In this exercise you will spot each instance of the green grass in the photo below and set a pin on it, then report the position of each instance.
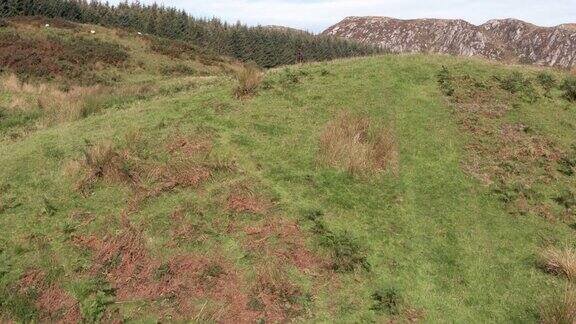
(435, 238)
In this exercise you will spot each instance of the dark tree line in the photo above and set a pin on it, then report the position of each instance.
(265, 46)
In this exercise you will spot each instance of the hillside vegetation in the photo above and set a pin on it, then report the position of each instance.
(68, 71)
(405, 188)
(267, 47)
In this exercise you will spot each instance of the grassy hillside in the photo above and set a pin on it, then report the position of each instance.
(55, 70)
(363, 190)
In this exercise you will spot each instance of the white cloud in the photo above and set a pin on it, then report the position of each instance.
(316, 15)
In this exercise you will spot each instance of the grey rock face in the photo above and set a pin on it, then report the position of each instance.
(508, 39)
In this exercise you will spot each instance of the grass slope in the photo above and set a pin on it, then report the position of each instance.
(440, 245)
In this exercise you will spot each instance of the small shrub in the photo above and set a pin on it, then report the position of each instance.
(547, 81)
(560, 311)
(516, 83)
(569, 88)
(445, 82)
(350, 143)
(3, 23)
(249, 79)
(347, 253)
(567, 164)
(567, 199)
(559, 262)
(387, 301)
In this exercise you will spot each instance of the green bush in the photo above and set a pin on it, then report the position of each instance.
(516, 83)
(547, 81)
(569, 88)
(445, 81)
(567, 164)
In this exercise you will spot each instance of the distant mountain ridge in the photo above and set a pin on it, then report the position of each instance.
(500, 39)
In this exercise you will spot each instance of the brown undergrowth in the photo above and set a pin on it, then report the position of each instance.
(284, 240)
(510, 157)
(195, 286)
(50, 57)
(53, 302)
(353, 144)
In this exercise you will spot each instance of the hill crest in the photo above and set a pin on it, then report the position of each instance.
(510, 40)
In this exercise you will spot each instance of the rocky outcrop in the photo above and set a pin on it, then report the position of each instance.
(508, 39)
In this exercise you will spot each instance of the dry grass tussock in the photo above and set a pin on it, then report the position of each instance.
(55, 104)
(351, 143)
(249, 79)
(102, 161)
(560, 262)
(560, 311)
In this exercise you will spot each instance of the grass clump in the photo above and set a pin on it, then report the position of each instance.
(569, 88)
(346, 252)
(249, 79)
(352, 144)
(560, 262)
(102, 161)
(560, 311)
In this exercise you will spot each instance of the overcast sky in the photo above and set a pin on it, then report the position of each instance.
(317, 15)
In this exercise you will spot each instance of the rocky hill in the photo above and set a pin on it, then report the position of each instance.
(508, 39)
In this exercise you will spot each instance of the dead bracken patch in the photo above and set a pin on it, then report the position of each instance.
(274, 295)
(182, 280)
(511, 158)
(283, 240)
(247, 203)
(350, 143)
(52, 57)
(188, 146)
(53, 302)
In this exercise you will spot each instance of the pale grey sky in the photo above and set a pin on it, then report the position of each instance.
(316, 15)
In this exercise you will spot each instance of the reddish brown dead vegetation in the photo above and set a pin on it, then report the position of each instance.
(53, 302)
(284, 240)
(351, 143)
(247, 203)
(188, 146)
(274, 294)
(52, 57)
(126, 263)
(511, 158)
(104, 162)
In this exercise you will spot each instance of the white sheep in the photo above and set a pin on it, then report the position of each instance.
(47, 25)
(92, 32)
